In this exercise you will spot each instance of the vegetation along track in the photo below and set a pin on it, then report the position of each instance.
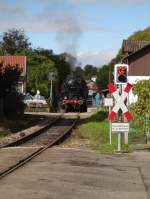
(43, 141)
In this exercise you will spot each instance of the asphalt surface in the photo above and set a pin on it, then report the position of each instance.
(78, 174)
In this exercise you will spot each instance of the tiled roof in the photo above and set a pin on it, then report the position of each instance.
(14, 60)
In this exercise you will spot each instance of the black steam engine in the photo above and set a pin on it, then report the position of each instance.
(74, 95)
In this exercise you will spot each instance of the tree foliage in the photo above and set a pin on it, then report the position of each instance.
(14, 41)
(102, 78)
(105, 73)
(13, 104)
(142, 106)
(62, 66)
(39, 67)
(9, 76)
(78, 71)
(89, 71)
(40, 63)
(141, 35)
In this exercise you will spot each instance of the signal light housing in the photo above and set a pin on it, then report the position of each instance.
(121, 74)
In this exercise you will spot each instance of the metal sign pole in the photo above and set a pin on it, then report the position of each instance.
(126, 136)
(108, 102)
(119, 142)
(120, 109)
(51, 91)
(110, 133)
(119, 118)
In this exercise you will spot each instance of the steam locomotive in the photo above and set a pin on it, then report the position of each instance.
(74, 95)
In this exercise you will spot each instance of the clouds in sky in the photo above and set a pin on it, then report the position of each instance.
(97, 58)
(112, 1)
(73, 23)
(51, 15)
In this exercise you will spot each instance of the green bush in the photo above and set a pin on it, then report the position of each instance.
(142, 90)
(13, 105)
(142, 107)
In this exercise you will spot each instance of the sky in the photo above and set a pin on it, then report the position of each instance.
(91, 30)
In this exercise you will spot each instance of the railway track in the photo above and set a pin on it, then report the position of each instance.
(42, 140)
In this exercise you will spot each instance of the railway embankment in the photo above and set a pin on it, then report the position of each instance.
(40, 124)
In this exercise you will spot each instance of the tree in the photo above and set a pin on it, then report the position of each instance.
(45, 52)
(8, 80)
(39, 67)
(142, 90)
(89, 71)
(14, 42)
(141, 108)
(63, 68)
(78, 71)
(102, 77)
(141, 35)
(8, 77)
(105, 73)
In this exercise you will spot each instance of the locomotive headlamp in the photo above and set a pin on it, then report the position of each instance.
(121, 74)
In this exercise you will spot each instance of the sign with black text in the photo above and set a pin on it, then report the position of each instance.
(120, 127)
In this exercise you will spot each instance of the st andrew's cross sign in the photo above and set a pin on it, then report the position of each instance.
(120, 101)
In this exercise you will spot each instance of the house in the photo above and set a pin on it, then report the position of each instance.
(92, 87)
(137, 56)
(131, 46)
(21, 62)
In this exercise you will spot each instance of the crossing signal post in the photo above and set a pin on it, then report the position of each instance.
(121, 74)
(120, 108)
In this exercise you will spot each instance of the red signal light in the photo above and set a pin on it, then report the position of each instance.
(121, 73)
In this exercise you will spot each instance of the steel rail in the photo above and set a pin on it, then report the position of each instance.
(30, 136)
(37, 152)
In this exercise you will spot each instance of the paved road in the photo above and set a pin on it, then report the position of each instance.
(76, 174)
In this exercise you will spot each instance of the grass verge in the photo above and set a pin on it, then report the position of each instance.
(137, 133)
(96, 130)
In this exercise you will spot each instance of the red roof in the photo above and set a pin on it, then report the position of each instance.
(14, 60)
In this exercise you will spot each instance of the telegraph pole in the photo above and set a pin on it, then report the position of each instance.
(51, 78)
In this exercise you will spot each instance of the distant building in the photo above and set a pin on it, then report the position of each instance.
(137, 56)
(92, 87)
(21, 62)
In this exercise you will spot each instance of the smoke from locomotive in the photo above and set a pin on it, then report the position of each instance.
(74, 95)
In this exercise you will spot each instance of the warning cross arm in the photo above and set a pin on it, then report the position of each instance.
(128, 88)
(119, 99)
(111, 88)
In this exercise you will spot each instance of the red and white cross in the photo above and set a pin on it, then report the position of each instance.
(120, 101)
